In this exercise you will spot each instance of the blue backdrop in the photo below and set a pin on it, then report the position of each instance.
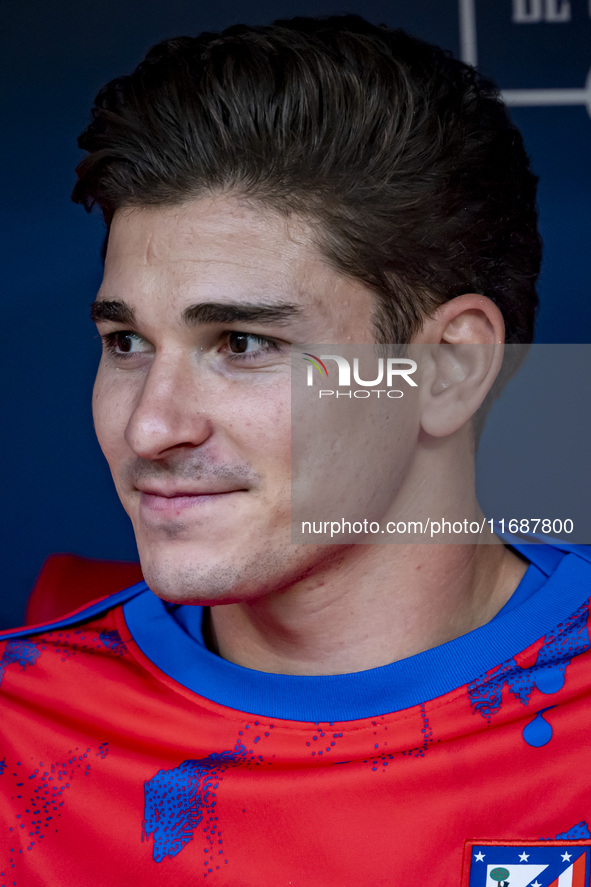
(58, 494)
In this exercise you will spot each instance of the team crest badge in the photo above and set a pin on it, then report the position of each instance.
(529, 864)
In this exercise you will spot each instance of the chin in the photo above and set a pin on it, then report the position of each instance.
(189, 583)
(202, 576)
(207, 581)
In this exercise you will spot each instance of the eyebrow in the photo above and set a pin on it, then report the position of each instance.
(244, 312)
(118, 311)
(115, 311)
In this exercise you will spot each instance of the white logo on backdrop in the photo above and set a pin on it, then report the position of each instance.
(525, 12)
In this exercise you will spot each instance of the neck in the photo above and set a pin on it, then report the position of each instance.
(370, 605)
(378, 605)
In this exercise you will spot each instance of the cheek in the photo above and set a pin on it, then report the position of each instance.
(111, 408)
(260, 423)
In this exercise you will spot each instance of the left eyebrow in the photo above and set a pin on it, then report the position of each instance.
(118, 311)
(243, 312)
(111, 310)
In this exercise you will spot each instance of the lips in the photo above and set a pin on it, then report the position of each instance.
(177, 493)
(173, 501)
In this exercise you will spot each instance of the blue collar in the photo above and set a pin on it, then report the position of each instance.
(565, 577)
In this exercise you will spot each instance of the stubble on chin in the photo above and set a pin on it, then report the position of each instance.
(208, 584)
(236, 581)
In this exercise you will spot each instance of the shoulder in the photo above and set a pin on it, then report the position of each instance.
(51, 664)
(89, 612)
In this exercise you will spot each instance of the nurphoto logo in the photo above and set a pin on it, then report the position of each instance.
(388, 371)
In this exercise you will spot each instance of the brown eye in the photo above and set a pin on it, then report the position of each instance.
(238, 342)
(244, 347)
(124, 342)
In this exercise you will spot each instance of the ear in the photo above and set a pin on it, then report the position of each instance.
(467, 334)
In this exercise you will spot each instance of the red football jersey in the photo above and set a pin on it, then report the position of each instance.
(133, 754)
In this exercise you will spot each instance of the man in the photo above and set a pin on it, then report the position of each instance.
(272, 713)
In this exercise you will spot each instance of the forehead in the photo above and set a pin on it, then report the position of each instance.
(205, 230)
(224, 249)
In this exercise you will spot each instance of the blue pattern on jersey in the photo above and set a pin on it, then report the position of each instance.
(538, 732)
(547, 675)
(112, 641)
(579, 832)
(175, 800)
(21, 652)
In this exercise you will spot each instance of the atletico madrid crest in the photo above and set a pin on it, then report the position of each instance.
(529, 864)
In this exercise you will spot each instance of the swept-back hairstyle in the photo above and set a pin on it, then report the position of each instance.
(403, 159)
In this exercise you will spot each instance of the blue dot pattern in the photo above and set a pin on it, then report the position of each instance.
(68, 644)
(176, 801)
(547, 674)
(112, 641)
(21, 651)
(40, 795)
(428, 740)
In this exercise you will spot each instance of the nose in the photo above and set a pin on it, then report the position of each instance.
(170, 412)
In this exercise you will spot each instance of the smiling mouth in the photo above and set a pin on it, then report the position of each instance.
(175, 503)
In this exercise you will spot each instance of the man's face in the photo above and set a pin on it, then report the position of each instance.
(198, 309)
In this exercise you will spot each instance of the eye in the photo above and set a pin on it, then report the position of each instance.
(249, 344)
(238, 342)
(125, 342)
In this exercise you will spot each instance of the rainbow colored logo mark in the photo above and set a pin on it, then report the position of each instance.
(315, 361)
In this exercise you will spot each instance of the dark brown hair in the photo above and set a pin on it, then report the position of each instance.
(403, 159)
